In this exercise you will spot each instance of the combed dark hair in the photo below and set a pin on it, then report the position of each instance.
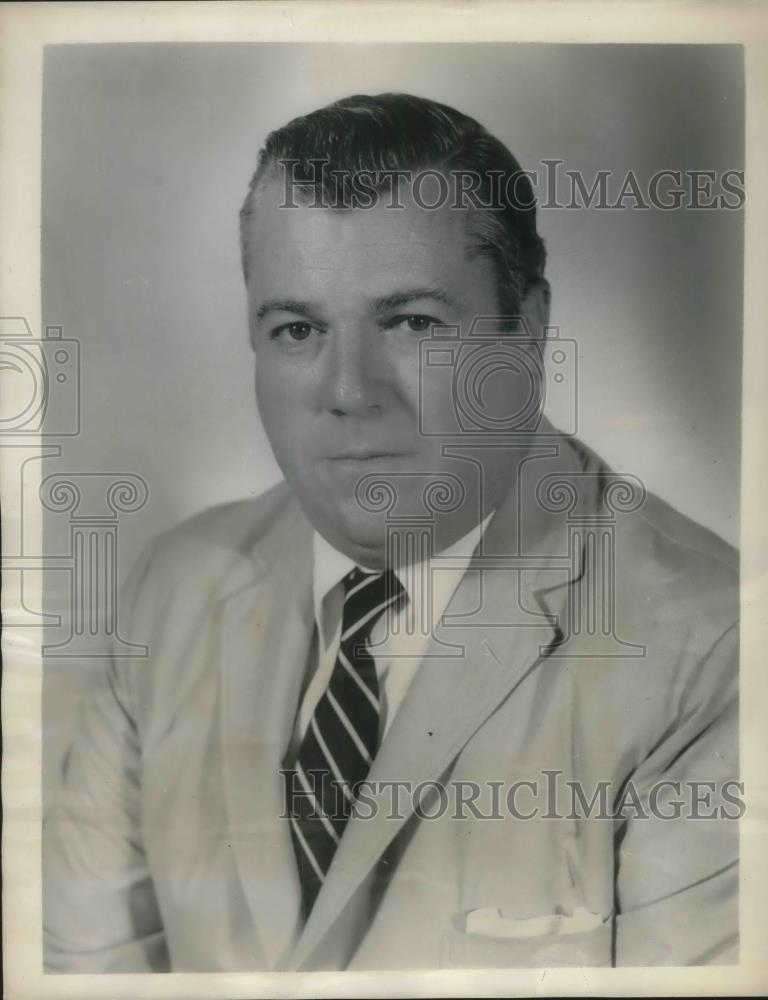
(391, 132)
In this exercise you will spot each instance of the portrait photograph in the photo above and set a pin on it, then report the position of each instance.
(379, 485)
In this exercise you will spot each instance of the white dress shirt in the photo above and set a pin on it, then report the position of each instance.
(397, 655)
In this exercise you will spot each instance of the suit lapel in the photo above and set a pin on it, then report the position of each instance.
(265, 634)
(515, 624)
(446, 704)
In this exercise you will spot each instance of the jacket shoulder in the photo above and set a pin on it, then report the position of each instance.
(669, 563)
(693, 573)
(687, 540)
(681, 571)
(214, 542)
(235, 526)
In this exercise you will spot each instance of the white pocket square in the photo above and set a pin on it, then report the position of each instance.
(491, 922)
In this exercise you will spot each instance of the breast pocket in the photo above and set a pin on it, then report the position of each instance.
(460, 950)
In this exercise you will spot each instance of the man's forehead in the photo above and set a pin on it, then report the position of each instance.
(380, 231)
(309, 273)
(354, 256)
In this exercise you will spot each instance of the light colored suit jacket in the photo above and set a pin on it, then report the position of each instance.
(593, 639)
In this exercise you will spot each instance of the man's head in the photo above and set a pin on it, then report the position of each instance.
(368, 223)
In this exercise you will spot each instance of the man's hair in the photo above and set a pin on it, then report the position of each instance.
(399, 132)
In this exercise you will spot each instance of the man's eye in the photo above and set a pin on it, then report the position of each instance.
(292, 331)
(416, 323)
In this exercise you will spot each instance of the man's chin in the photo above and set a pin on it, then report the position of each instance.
(361, 537)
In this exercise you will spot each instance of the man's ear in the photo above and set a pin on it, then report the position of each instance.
(535, 308)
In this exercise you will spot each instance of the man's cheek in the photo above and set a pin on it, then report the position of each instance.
(272, 394)
(409, 390)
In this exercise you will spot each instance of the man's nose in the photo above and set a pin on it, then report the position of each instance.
(352, 376)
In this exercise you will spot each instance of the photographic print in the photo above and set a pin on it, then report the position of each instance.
(379, 447)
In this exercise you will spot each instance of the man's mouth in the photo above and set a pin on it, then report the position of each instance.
(365, 455)
(363, 458)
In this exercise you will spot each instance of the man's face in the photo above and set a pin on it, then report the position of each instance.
(339, 302)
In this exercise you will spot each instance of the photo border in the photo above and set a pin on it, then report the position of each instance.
(26, 29)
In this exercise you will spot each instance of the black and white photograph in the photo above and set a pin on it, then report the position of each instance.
(378, 454)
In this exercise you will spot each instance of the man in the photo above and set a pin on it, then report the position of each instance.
(454, 694)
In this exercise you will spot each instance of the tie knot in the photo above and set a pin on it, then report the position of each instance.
(367, 595)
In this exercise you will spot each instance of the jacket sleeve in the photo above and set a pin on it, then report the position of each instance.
(100, 913)
(677, 877)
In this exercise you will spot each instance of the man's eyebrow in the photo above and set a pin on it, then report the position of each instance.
(398, 299)
(383, 304)
(283, 305)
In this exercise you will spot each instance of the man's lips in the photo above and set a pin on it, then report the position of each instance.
(366, 455)
(360, 460)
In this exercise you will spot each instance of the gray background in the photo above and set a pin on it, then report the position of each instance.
(147, 151)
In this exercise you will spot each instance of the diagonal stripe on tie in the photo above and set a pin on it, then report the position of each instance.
(365, 580)
(341, 740)
(365, 752)
(355, 676)
(371, 615)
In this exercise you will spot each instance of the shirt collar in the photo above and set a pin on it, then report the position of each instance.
(331, 566)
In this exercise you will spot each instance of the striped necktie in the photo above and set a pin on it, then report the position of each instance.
(342, 737)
